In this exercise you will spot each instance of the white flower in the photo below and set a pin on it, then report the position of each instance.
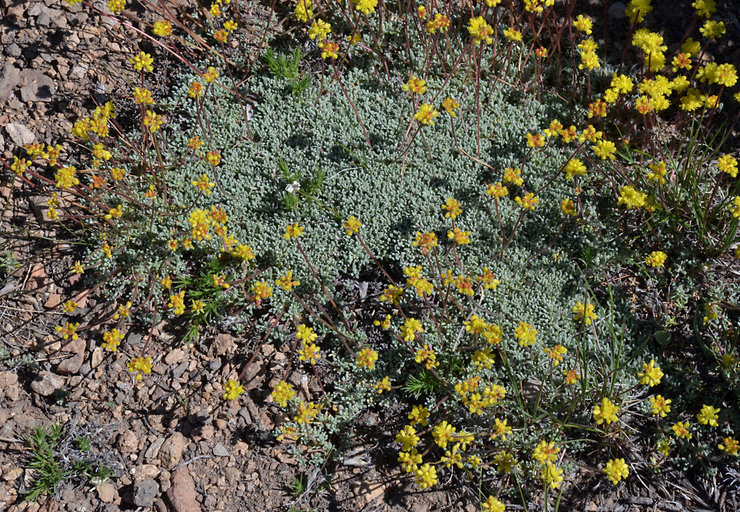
(293, 187)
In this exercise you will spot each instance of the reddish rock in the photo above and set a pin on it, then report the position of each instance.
(182, 495)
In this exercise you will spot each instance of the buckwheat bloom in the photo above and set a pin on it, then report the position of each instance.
(556, 354)
(443, 433)
(735, 211)
(426, 114)
(351, 226)
(204, 184)
(319, 30)
(366, 358)
(366, 7)
(427, 241)
(727, 164)
(143, 61)
(419, 415)
(143, 96)
(637, 9)
(116, 6)
(512, 34)
(568, 207)
(221, 35)
(415, 85)
(492, 505)
(497, 191)
(545, 451)
(65, 177)
(383, 385)
(303, 10)
(616, 470)
(480, 30)
(153, 121)
(708, 415)
(282, 393)
(450, 106)
(407, 438)
(261, 290)
(293, 231)
(552, 475)
(459, 236)
(425, 476)
(19, 166)
(605, 149)
(141, 366)
(660, 405)
(309, 352)
(329, 49)
(583, 24)
(232, 390)
(286, 281)
(571, 377)
(574, 167)
(681, 430)
(440, 22)
(162, 28)
(712, 29)
(112, 339)
(525, 334)
(231, 25)
(650, 374)
(177, 303)
(606, 412)
(77, 268)
(306, 334)
(631, 198)
(528, 202)
(535, 140)
(409, 329)
(514, 176)
(730, 446)
(452, 206)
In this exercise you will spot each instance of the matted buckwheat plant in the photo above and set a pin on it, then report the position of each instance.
(497, 217)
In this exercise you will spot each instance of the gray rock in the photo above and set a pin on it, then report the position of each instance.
(37, 86)
(145, 493)
(10, 77)
(71, 365)
(13, 50)
(97, 357)
(220, 450)
(46, 383)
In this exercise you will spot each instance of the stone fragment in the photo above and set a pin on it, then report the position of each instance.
(19, 134)
(153, 451)
(71, 365)
(9, 385)
(171, 452)
(37, 86)
(107, 493)
(128, 442)
(145, 493)
(145, 472)
(12, 474)
(220, 450)
(182, 495)
(223, 344)
(46, 383)
(174, 357)
(96, 357)
(10, 77)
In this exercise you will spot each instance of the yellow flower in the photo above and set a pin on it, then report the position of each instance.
(351, 225)
(568, 207)
(637, 9)
(69, 330)
(415, 85)
(681, 429)
(660, 405)
(443, 433)
(616, 470)
(526, 334)
(708, 415)
(650, 374)
(143, 96)
(574, 167)
(366, 358)
(111, 339)
(286, 281)
(383, 385)
(583, 24)
(606, 412)
(735, 209)
(162, 28)
(730, 446)
(426, 114)
(409, 329)
(631, 198)
(293, 231)
(141, 366)
(450, 106)
(584, 313)
(712, 29)
(512, 34)
(232, 390)
(426, 476)
(366, 7)
(480, 30)
(303, 10)
(282, 393)
(552, 475)
(492, 505)
(204, 184)
(319, 30)
(528, 202)
(142, 61)
(459, 236)
(452, 206)
(727, 164)
(153, 121)
(556, 354)
(116, 6)
(309, 352)
(407, 438)
(419, 415)
(545, 452)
